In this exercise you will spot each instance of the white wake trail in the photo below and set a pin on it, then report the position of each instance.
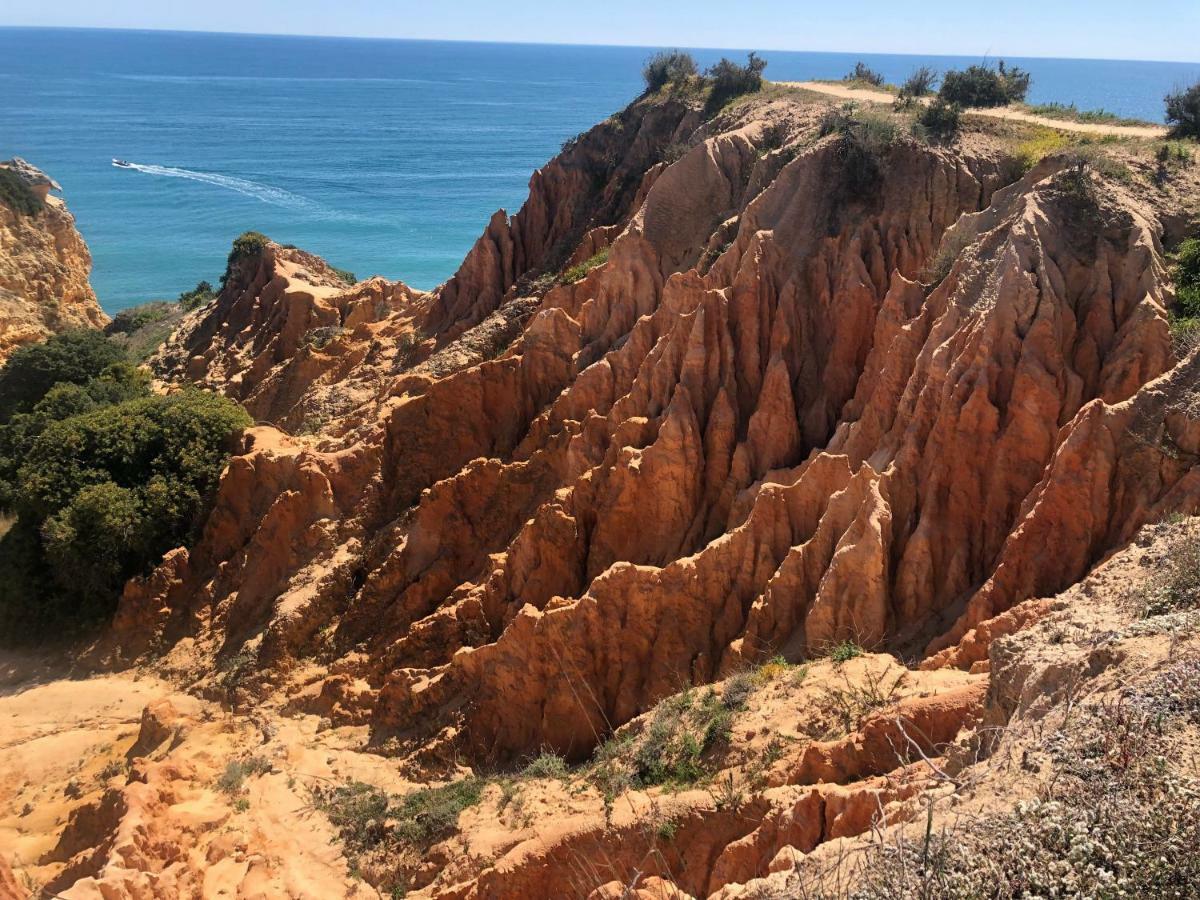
(263, 192)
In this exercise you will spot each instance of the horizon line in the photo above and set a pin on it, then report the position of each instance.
(635, 46)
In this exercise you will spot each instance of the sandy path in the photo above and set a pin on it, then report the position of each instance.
(1003, 112)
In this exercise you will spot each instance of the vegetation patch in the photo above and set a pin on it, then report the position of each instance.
(668, 67)
(1042, 143)
(864, 75)
(247, 245)
(17, 195)
(984, 86)
(102, 477)
(939, 122)
(579, 272)
(1183, 112)
(729, 80)
(238, 770)
(1069, 112)
(1177, 586)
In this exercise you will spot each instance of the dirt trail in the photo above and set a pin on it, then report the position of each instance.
(1005, 112)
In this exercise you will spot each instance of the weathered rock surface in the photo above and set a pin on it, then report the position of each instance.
(812, 392)
(44, 268)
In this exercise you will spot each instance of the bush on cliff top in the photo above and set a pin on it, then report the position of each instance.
(984, 86)
(668, 67)
(864, 74)
(1183, 111)
(729, 80)
(1187, 277)
(15, 193)
(103, 478)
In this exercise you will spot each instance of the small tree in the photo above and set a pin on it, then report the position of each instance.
(1183, 111)
(668, 67)
(863, 72)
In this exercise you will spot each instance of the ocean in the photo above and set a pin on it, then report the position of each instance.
(383, 156)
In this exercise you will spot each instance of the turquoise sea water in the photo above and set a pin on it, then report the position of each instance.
(383, 156)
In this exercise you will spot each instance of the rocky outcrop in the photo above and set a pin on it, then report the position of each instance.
(818, 390)
(44, 263)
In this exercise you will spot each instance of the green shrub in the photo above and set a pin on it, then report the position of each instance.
(546, 765)
(106, 489)
(1183, 111)
(730, 80)
(245, 246)
(74, 357)
(940, 121)
(919, 83)
(18, 195)
(431, 813)
(668, 67)
(865, 74)
(238, 770)
(130, 320)
(579, 272)
(348, 277)
(845, 651)
(1186, 274)
(198, 296)
(985, 86)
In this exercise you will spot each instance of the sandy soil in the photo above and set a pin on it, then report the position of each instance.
(1006, 112)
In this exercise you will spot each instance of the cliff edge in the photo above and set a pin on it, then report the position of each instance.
(44, 262)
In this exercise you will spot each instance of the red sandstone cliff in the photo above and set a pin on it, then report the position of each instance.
(44, 266)
(815, 390)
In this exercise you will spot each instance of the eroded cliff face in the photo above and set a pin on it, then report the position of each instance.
(768, 422)
(44, 267)
(721, 391)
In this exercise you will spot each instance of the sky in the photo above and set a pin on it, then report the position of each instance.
(1103, 29)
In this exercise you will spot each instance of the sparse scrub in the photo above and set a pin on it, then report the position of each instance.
(198, 296)
(983, 86)
(238, 770)
(853, 701)
(245, 246)
(919, 83)
(671, 747)
(939, 121)
(17, 195)
(1069, 112)
(431, 813)
(729, 80)
(845, 651)
(1183, 112)
(546, 764)
(135, 318)
(1037, 147)
(322, 337)
(864, 74)
(668, 67)
(580, 271)
(737, 691)
(1177, 586)
(346, 276)
(1118, 821)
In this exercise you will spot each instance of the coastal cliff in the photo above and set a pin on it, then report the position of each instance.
(764, 483)
(44, 263)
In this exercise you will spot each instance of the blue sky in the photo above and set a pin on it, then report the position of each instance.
(1109, 29)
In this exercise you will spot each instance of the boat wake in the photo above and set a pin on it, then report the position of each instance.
(264, 192)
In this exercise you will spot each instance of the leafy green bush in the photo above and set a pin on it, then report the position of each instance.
(102, 486)
(668, 67)
(346, 276)
(246, 245)
(730, 80)
(940, 121)
(865, 74)
(1183, 111)
(919, 83)
(547, 764)
(985, 86)
(198, 296)
(845, 651)
(15, 193)
(1187, 277)
(74, 357)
